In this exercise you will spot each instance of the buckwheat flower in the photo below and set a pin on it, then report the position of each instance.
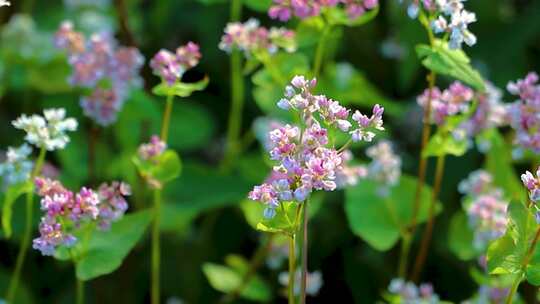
(385, 167)
(492, 294)
(314, 281)
(250, 38)
(285, 9)
(47, 132)
(4, 3)
(64, 211)
(356, 8)
(113, 203)
(409, 293)
(51, 236)
(457, 25)
(532, 184)
(171, 66)
(267, 195)
(68, 39)
(17, 166)
(366, 125)
(478, 182)
(452, 101)
(151, 150)
(100, 64)
(488, 217)
(349, 175)
(85, 205)
(490, 113)
(524, 113)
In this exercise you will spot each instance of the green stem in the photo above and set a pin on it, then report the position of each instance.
(404, 256)
(14, 283)
(513, 289)
(237, 96)
(319, 53)
(167, 118)
(80, 291)
(156, 247)
(292, 268)
(303, 285)
(422, 163)
(427, 235)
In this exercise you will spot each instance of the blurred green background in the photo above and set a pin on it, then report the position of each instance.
(202, 222)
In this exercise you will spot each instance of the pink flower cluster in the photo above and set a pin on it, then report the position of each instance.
(299, 97)
(485, 207)
(65, 211)
(286, 9)
(249, 37)
(100, 64)
(152, 149)
(171, 66)
(385, 167)
(524, 114)
(306, 160)
(490, 112)
(454, 100)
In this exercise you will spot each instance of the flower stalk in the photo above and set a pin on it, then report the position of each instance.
(14, 283)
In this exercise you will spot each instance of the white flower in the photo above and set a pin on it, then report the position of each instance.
(48, 132)
(4, 3)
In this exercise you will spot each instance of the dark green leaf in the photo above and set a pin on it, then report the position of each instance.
(379, 220)
(107, 249)
(461, 237)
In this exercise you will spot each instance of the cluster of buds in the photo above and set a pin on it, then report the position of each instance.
(524, 114)
(251, 38)
(409, 293)
(286, 9)
(48, 131)
(306, 160)
(385, 167)
(485, 206)
(451, 18)
(314, 281)
(65, 211)
(101, 65)
(153, 149)
(454, 100)
(17, 166)
(489, 113)
(171, 66)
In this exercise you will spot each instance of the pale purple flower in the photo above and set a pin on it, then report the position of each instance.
(285, 9)
(487, 217)
(409, 293)
(524, 114)
(96, 61)
(367, 125)
(452, 101)
(64, 211)
(385, 166)
(171, 66)
(478, 182)
(314, 281)
(250, 38)
(17, 166)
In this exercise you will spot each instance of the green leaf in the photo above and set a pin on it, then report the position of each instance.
(454, 63)
(229, 278)
(283, 221)
(107, 249)
(258, 5)
(381, 221)
(338, 16)
(461, 237)
(161, 169)
(11, 195)
(506, 255)
(180, 89)
(445, 144)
